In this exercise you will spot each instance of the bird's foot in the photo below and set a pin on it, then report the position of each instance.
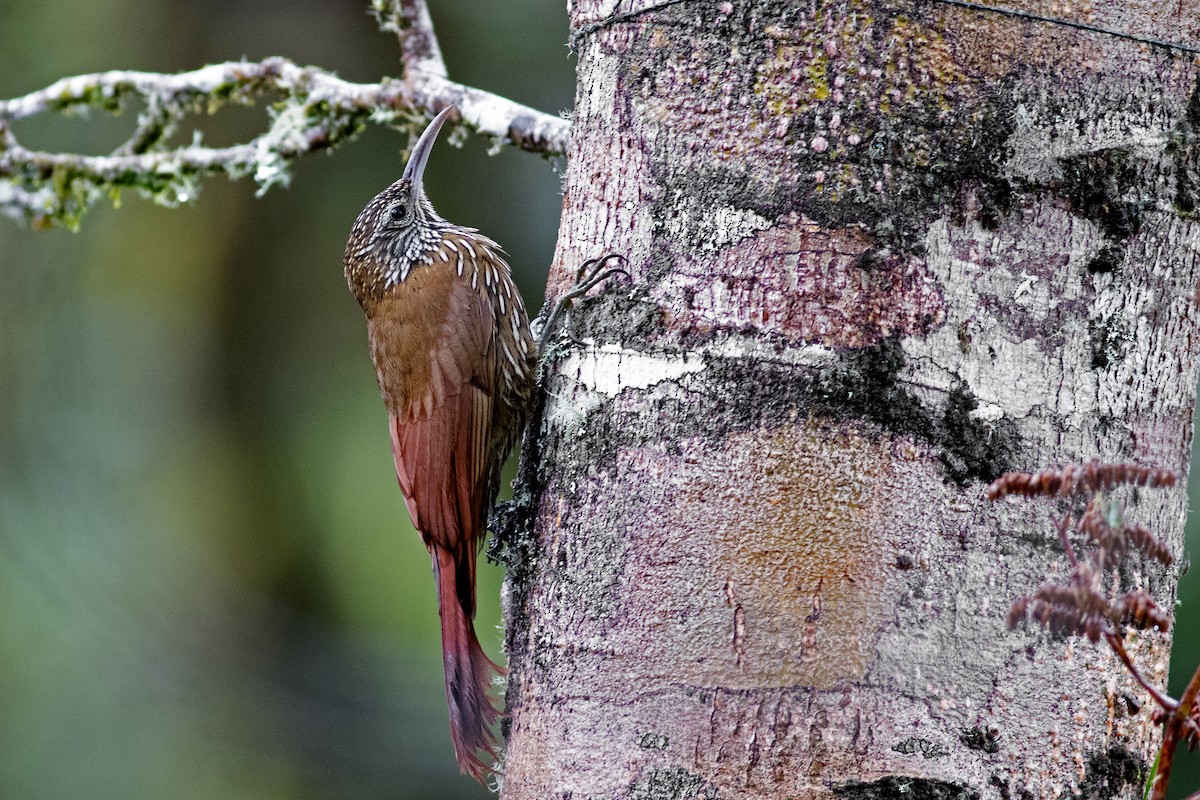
(591, 273)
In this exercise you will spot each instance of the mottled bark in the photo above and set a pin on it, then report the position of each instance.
(882, 252)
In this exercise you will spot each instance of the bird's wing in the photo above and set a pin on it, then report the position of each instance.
(442, 418)
(433, 342)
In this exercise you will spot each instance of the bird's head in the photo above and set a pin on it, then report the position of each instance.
(399, 224)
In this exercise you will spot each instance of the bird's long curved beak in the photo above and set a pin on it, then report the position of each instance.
(415, 169)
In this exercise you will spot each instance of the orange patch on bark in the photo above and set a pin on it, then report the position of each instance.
(775, 580)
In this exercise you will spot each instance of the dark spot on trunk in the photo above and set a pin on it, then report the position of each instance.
(1107, 260)
(1007, 792)
(981, 739)
(1110, 772)
(672, 784)
(973, 448)
(1186, 154)
(900, 788)
(1100, 187)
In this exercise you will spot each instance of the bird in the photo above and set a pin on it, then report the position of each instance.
(455, 360)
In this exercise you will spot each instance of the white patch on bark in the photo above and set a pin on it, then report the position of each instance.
(1026, 285)
(609, 369)
(598, 373)
(1038, 149)
(714, 228)
(988, 412)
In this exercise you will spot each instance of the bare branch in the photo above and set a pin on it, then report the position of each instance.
(317, 110)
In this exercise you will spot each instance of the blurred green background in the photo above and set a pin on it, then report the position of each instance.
(208, 584)
(208, 587)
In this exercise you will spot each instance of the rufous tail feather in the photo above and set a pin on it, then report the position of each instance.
(468, 675)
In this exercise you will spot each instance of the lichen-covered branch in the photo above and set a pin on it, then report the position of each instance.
(312, 109)
(409, 20)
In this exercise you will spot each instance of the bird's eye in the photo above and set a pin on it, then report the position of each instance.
(400, 213)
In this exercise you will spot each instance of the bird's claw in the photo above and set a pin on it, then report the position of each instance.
(591, 273)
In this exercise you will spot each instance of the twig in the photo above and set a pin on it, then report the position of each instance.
(318, 110)
(1177, 727)
(1189, 699)
(1118, 647)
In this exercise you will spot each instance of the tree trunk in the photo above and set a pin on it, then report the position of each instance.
(881, 252)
